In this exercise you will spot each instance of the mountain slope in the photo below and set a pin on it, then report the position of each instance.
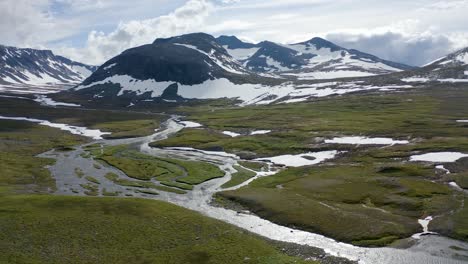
(313, 59)
(450, 68)
(39, 67)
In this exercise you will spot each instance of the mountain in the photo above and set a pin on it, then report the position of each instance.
(451, 68)
(39, 67)
(313, 59)
(458, 58)
(192, 66)
(198, 66)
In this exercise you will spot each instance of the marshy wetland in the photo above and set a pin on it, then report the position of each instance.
(363, 203)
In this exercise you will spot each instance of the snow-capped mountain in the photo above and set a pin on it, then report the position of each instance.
(313, 59)
(458, 58)
(198, 66)
(185, 64)
(451, 68)
(39, 67)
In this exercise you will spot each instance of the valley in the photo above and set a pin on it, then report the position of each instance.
(196, 149)
(363, 185)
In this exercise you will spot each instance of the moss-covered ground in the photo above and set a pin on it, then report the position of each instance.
(56, 229)
(171, 172)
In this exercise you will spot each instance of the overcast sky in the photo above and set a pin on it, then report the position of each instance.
(413, 32)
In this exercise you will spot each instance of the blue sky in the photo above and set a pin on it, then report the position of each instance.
(413, 32)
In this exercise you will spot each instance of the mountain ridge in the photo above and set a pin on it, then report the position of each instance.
(302, 59)
(26, 66)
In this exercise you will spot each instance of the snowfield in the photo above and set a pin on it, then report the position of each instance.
(305, 159)
(231, 134)
(416, 79)
(260, 132)
(425, 225)
(190, 124)
(439, 157)
(365, 141)
(82, 131)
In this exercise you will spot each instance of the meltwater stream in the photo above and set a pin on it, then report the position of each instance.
(427, 250)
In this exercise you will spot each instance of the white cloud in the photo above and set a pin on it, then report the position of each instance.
(93, 31)
(447, 5)
(101, 46)
(28, 23)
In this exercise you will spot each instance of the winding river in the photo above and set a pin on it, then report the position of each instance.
(430, 249)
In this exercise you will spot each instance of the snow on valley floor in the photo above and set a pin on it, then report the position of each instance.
(425, 225)
(231, 134)
(253, 133)
(190, 124)
(305, 159)
(260, 132)
(44, 100)
(441, 167)
(82, 131)
(439, 157)
(365, 141)
(462, 121)
(417, 79)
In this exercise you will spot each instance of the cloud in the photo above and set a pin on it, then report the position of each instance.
(101, 46)
(28, 23)
(415, 50)
(93, 31)
(408, 41)
(447, 5)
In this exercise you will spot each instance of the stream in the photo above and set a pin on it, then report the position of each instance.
(428, 249)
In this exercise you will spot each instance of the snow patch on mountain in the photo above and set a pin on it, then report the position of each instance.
(247, 93)
(215, 59)
(328, 74)
(39, 67)
(241, 54)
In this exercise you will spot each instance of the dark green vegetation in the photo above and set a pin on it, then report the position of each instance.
(53, 229)
(140, 184)
(370, 195)
(239, 177)
(122, 124)
(176, 173)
